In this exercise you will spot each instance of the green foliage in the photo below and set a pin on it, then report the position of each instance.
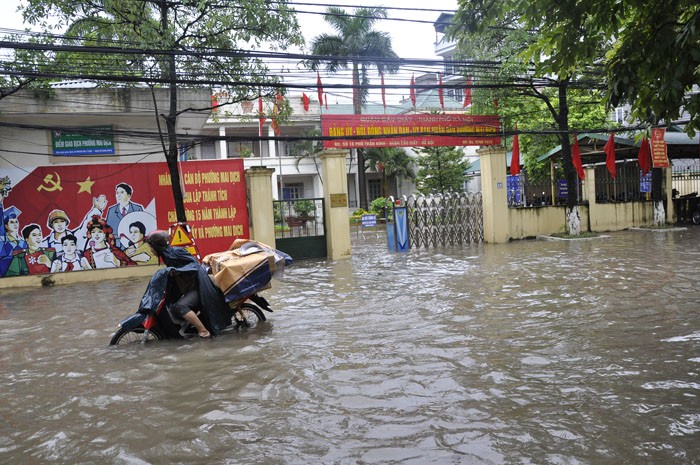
(394, 164)
(441, 170)
(548, 49)
(304, 207)
(355, 38)
(152, 25)
(380, 207)
(655, 62)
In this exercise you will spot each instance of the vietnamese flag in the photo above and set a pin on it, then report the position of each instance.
(440, 95)
(305, 100)
(610, 155)
(413, 90)
(468, 94)
(576, 158)
(644, 157)
(319, 88)
(515, 158)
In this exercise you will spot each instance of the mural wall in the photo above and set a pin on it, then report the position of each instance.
(82, 217)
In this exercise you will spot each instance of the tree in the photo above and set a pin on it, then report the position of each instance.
(655, 62)
(361, 47)
(309, 148)
(543, 44)
(164, 40)
(441, 170)
(393, 164)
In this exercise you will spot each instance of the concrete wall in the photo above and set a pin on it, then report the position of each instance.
(502, 223)
(29, 116)
(529, 222)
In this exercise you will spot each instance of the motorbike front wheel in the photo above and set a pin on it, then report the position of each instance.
(696, 217)
(248, 316)
(134, 336)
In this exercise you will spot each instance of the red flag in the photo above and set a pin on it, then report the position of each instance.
(413, 91)
(261, 116)
(495, 103)
(576, 158)
(305, 100)
(319, 88)
(383, 95)
(325, 99)
(644, 157)
(468, 94)
(515, 158)
(440, 96)
(610, 155)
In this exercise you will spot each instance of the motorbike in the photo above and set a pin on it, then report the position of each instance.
(143, 327)
(229, 283)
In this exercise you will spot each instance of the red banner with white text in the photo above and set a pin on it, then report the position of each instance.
(416, 130)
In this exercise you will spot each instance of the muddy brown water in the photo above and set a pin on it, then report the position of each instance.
(533, 352)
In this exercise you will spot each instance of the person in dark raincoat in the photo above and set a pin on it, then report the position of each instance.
(188, 288)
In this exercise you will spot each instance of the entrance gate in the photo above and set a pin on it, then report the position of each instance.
(300, 228)
(440, 220)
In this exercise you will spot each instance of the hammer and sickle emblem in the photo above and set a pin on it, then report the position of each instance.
(50, 184)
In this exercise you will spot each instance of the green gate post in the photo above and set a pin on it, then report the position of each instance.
(259, 187)
(335, 193)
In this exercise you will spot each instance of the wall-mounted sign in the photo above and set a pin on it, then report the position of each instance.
(96, 140)
(659, 154)
(339, 200)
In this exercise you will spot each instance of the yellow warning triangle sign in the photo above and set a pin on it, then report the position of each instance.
(181, 237)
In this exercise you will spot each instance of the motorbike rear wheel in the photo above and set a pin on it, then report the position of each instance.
(248, 316)
(134, 336)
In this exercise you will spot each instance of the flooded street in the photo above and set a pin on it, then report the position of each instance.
(533, 352)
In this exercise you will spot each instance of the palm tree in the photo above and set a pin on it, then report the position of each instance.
(356, 40)
(393, 164)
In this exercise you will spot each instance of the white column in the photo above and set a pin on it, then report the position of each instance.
(223, 145)
(271, 144)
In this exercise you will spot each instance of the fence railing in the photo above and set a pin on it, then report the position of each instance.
(298, 217)
(525, 192)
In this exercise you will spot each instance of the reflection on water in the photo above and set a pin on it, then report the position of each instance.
(533, 352)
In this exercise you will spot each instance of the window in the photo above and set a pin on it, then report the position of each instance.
(293, 190)
(375, 188)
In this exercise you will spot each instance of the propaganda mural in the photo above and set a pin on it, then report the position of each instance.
(82, 217)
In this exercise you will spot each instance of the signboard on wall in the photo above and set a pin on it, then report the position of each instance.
(95, 140)
(659, 152)
(123, 203)
(418, 130)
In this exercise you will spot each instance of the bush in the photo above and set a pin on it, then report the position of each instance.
(380, 205)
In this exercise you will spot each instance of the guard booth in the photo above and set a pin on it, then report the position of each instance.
(300, 228)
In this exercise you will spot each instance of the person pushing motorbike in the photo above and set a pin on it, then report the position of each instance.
(187, 289)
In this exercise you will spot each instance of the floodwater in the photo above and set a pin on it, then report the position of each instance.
(533, 352)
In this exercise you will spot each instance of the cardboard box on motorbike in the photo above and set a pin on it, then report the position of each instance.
(244, 269)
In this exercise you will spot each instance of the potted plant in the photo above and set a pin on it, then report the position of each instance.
(305, 210)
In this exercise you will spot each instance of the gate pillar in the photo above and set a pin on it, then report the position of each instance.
(259, 187)
(494, 194)
(335, 194)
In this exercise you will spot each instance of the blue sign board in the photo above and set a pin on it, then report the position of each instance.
(369, 221)
(401, 224)
(644, 182)
(563, 188)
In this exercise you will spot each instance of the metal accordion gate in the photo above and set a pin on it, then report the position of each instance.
(452, 219)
